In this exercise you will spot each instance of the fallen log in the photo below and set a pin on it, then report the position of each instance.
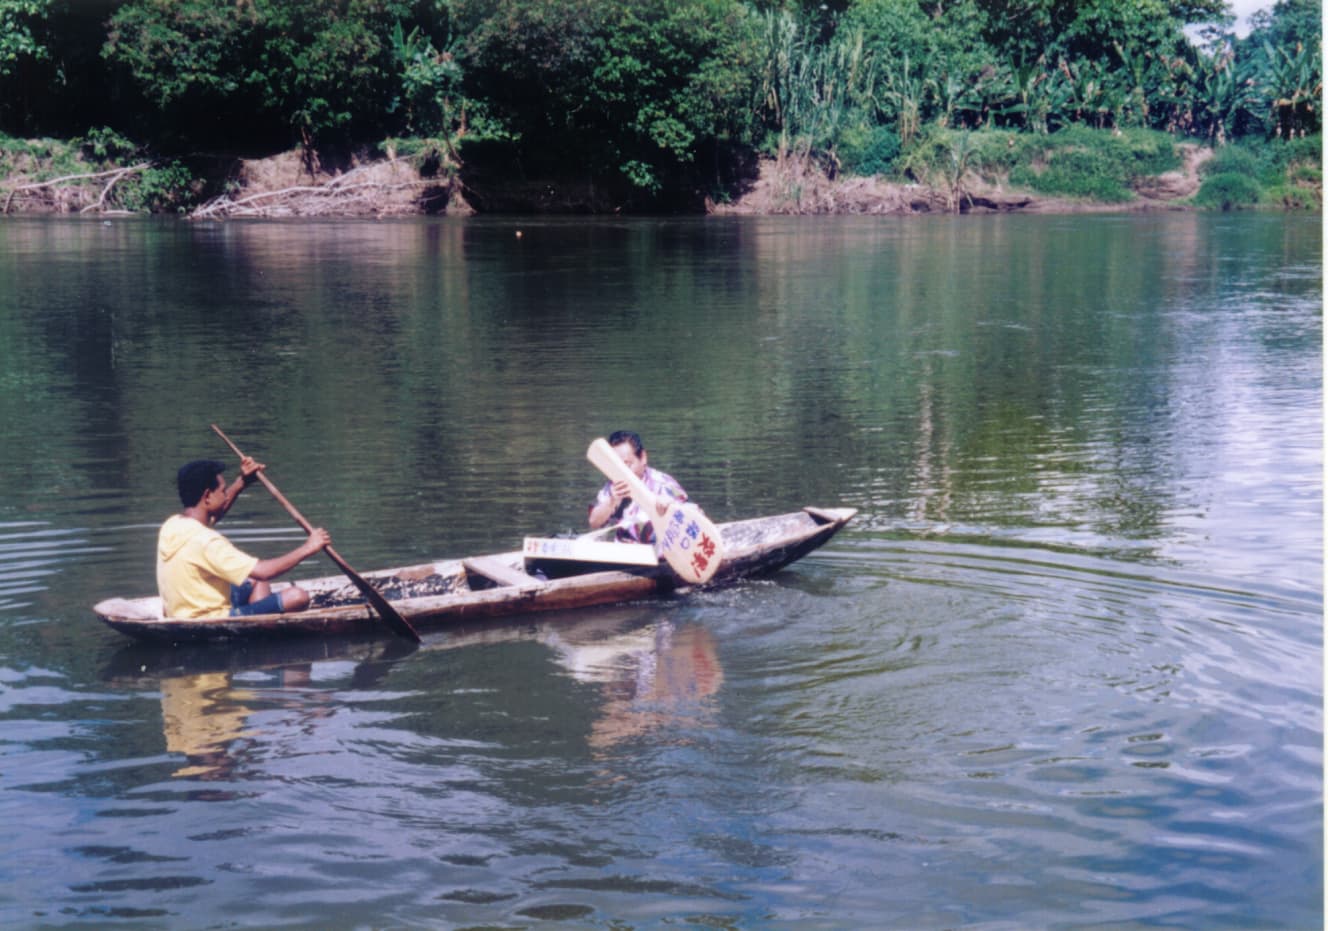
(115, 174)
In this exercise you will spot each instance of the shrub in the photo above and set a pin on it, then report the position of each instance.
(105, 145)
(158, 190)
(868, 150)
(1303, 149)
(1146, 151)
(1092, 163)
(1076, 173)
(1231, 160)
(39, 158)
(1295, 197)
(1228, 192)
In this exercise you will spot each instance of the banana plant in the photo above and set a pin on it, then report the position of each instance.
(1053, 103)
(1020, 78)
(1222, 94)
(1292, 81)
(957, 94)
(1134, 74)
(1084, 81)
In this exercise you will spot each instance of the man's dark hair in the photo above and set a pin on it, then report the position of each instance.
(195, 478)
(626, 436)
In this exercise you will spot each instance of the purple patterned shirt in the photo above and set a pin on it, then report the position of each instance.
(633, 523)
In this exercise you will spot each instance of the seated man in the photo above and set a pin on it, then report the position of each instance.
(614, 502)
(202, 574)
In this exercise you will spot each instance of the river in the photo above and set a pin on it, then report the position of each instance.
(1064, 669)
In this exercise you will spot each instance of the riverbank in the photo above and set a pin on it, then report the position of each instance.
(794, 189)
(299, 184)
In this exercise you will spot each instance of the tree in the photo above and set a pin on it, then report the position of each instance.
(621, 88)
(1284, 50)
(51, 79)
(217, 70)
(21, 22)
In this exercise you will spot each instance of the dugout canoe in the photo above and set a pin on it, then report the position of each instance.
(430, 595)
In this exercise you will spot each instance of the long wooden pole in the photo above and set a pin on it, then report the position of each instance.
(388, 613)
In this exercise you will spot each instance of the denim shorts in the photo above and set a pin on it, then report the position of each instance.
(240, 606)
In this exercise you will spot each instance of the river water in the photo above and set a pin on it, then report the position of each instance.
(1063, 670)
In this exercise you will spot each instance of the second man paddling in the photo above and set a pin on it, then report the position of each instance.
(202, 574)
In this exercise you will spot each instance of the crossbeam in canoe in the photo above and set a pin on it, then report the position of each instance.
(499, 572)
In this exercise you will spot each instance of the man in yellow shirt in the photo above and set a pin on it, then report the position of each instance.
(202, 574)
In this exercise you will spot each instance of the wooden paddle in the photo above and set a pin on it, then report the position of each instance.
(684, 536)
(388, 613)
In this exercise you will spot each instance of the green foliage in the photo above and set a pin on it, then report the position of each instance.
(217, 68)
(21, 23)
(627, 89)
(1301, 149)
(38, 158)
(1231, 160)
(1292, 81)
(430, 98)
(1271, 161)
(1228, 192)
(1223, 101)
(868, 150)
(1096, 164)
(165, 189)
(1286, 24)
(812, 91)
(1076, 173)
(193, 49)
(1290, 174)
(328, 73)
(105, 145)
(1296, 196)
(673, 74)
(652, 96)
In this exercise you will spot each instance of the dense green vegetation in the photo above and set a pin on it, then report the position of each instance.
(1071, 98)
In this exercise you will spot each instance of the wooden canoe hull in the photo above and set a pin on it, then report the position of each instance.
(488, 586)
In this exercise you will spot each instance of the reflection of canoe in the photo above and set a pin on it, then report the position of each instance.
(432, 594)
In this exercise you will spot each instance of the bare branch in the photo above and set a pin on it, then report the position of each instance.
(115, 174)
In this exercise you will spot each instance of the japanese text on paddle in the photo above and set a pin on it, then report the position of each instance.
(684, 533)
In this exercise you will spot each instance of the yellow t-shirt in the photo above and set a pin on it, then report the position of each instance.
(196, 567)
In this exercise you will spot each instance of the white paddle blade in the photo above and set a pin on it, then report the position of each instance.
(684, 537)
(605, 458)
(689, 542)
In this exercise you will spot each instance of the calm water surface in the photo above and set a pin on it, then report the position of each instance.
(1064, 670)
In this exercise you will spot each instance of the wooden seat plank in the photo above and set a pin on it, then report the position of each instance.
(495, 570)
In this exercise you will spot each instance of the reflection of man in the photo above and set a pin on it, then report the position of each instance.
(202, 716)
(657, 677)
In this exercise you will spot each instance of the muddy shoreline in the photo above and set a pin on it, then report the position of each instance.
(292, 184)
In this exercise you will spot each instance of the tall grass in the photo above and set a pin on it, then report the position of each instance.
(810, 90)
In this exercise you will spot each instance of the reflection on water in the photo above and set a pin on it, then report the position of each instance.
(650, 678)
(206, 717)
(202, 716)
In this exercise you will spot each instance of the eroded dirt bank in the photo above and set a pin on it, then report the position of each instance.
(784, 190)
(296, 184)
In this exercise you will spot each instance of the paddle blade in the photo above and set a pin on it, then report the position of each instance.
(689, 542)
(605, 458)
